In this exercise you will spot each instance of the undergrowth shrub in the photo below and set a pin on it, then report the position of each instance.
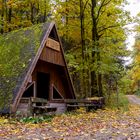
(37, 119)
(121, 104)
(137, 92)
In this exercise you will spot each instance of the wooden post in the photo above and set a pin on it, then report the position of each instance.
(35, 88)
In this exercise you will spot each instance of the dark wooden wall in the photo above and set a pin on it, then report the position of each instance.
(57, 78)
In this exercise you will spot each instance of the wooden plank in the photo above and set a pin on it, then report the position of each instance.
(82, 105)
(55, 45)
(24, 100)
(44, 107)
(23, 105)
(77, 101)
(93, 100)
(51, 56)
(38, 100)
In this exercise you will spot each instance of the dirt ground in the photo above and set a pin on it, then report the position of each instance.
(133, 99)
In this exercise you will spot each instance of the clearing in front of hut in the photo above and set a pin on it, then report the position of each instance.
(102, 124)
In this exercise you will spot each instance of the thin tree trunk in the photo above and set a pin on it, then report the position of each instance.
(67, 21)
(9, 17)
(100, 92)
(44, 19)
(108, 88)
(100, 88)
(94, 90)
(117, 93)
(37, 13)
(2, 18)
(32, 13)
(82, 26)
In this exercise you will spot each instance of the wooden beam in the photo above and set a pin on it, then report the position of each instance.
(88, 100)
(82, 105)
(38, 100)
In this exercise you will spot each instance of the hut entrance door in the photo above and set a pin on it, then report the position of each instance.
(43, 84)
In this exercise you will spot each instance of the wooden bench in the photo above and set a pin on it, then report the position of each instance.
(43, 109)
(89, 103)
(24, 100)
(38, 100)
(87, 100)
(39, 106)
(81, 105)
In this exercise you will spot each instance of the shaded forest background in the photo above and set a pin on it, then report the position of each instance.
(94, 36)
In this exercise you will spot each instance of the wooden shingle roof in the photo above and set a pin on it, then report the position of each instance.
(17, 52)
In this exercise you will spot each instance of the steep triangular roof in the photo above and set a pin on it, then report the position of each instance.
(19, 53)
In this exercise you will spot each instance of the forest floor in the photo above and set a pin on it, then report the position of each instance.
(104, 124)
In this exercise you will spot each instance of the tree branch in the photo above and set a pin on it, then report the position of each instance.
(97, 20)
(112, 26)
(100, 9)
(85, 5)
(102, 5)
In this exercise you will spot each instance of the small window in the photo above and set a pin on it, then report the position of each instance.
(57, 94)
(53, 34)
(29, 92)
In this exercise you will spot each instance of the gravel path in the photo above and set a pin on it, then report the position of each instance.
(133, 99)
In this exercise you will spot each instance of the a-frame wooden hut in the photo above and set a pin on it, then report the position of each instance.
(33, 69)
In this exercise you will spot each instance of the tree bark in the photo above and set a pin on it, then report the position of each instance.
(32, 13)
(82, 26)
(117, 93)
(2, 17)
(100, 88)
(44, 19)
(67, 21)
(9, 17)
(94, 90)
(37, 12)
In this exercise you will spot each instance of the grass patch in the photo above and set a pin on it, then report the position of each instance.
(137, 92)
(37, 119)
(122, 104)
(30, 119)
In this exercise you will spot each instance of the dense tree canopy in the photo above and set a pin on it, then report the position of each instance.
(135, 66)
(96, 37)
(16, 14)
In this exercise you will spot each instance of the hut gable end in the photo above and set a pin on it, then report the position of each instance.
(52, 51)
(21, 52)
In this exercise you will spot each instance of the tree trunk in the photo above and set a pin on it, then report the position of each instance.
(2, 18)
(82, 27)
(9, 17)
(44, 19)
(37, 13)
(117, 93)
(32, 13)
(108, 87)
(94, 90)
(100, 88)
(100, 92)
(67, 21)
